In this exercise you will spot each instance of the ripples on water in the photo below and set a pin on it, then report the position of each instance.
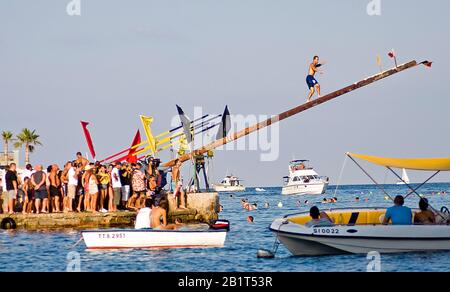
(47, 251)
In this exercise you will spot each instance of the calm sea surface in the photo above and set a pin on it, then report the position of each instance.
(48, 251)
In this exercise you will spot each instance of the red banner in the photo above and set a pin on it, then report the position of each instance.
(88, 138)
(136, 141)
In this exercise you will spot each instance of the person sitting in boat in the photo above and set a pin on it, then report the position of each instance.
(398, 214)
(159, 217)
(318, 218)
(143, 218)
(425, 216)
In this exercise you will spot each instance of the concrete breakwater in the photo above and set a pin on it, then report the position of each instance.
(201, 208)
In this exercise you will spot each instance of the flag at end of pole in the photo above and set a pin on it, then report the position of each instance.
(132, 158)
(87, 135)
(186, 123)
(427, 63)
(393, 55)
(225, 124)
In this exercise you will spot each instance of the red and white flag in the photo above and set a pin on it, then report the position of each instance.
(427, 63)
(391, 54)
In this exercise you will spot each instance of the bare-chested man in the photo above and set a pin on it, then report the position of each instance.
(55, 188)
(177, 185)
(310, 80)
(82, 160)
(159, 218)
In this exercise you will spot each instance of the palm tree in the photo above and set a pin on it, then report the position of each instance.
(30, 140)
(7, 137)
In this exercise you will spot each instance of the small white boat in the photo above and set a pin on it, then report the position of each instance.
(405, 178)
(230, 183)
(260, 190)
(303, 180)
(361, 230)
(149, 238)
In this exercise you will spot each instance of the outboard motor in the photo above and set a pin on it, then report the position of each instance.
(220, 225)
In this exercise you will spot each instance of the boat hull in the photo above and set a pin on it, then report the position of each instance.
(229, 189)
(305, 189)
(301, 240)
(148, 238)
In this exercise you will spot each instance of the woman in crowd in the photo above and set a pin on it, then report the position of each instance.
(104, 180)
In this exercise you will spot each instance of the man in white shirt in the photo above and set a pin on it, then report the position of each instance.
(72, 184)
(117, 186)
(143, 218)
(28, 172)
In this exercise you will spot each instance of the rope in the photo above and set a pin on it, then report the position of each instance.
(79, 240)
(340, 175)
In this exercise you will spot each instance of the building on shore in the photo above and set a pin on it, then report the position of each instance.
(13, 157)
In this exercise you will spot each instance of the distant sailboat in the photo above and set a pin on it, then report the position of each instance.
(405, 178)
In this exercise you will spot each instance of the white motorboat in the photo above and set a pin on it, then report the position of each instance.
(303, 180)
(230, 183)
(405, 178)
(360, 230)
(150, 238)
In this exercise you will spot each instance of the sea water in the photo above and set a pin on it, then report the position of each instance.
(58, 251)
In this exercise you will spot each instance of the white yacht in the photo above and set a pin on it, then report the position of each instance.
(230, 183)
(303, 180)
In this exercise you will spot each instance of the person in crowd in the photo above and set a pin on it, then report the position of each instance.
(55, 188)
(125, 181)
(318, 218)
(80, 190)
(104, 180)
(91, 188)
(38, 179)
(28, 202)
(65, 186)
(398, 214)
(138, 186)
(116, 186)
(425, 216)
(12, 187)
(177, 185)
(28, 171)
(82, 160)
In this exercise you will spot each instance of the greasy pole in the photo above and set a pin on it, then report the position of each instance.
(294, 111)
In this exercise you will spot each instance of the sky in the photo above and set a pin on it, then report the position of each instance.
(120, 59)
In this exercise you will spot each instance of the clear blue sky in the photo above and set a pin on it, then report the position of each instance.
(120, 59)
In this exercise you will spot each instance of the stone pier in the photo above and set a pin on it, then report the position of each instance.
(202, 208)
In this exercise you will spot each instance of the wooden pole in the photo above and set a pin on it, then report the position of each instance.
(294, 111)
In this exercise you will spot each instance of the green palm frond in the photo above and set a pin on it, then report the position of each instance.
(7, 136)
